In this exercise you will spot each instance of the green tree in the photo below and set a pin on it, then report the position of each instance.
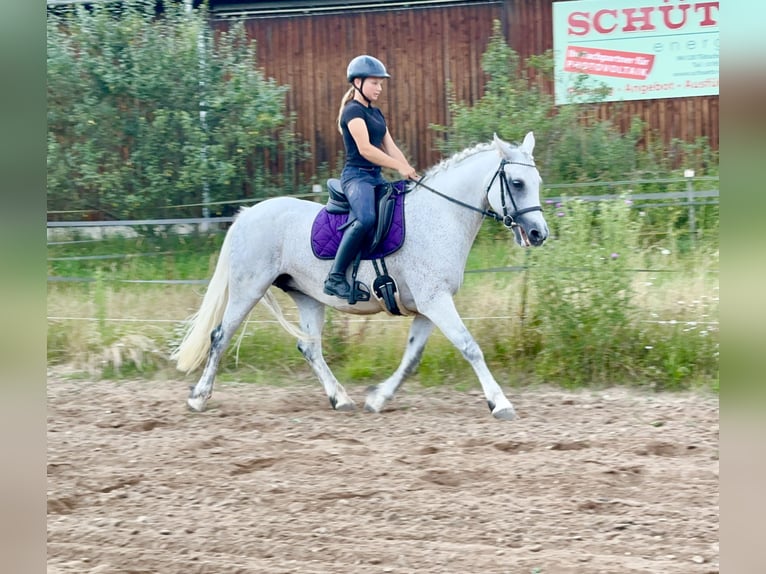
(510, 106)
(125, 90)
(572, 144)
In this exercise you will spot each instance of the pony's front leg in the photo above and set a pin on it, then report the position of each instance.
(312, 321)
(441, 310)
(420, 330)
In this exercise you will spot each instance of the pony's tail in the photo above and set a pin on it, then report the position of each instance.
(271, 303)
(194, 347)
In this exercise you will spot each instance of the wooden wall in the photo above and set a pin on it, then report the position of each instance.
(426, 49)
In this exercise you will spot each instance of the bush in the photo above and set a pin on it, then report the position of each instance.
(509, 107)
(125, 90)
(584, 312)
(575, 145)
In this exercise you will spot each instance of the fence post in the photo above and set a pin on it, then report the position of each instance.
(689, 175)
(202, 69)
(524, 287)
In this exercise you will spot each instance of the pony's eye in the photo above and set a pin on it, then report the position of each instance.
(517, 183)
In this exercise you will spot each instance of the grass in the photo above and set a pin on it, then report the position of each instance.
(544, 324)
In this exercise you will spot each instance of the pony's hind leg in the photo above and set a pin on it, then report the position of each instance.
(312, 321)
(441, 310)
(420, 330)
(237, 309)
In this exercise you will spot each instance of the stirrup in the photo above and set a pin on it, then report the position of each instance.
(361, 293)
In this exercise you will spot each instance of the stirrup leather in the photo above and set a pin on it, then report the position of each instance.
(360, 291)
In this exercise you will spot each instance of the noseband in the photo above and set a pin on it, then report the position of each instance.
(508, 219)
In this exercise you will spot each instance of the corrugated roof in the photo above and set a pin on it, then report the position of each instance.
(231, 8)
(298, 7)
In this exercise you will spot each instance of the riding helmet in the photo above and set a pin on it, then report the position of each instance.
(365, 67)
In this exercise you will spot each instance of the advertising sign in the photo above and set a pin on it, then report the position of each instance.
(611, 50)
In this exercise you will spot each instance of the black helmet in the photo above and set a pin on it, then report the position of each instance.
(366, 67)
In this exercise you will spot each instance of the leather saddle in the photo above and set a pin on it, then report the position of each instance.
(385, 197)
(388, 237)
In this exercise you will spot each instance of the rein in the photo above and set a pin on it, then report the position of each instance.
(508, 219)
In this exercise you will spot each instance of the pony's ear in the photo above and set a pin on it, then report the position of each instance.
(528, 144)
(500, 145)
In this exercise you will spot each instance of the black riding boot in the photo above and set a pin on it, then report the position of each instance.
(350, 244)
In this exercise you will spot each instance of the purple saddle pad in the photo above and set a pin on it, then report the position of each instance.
(325, 236)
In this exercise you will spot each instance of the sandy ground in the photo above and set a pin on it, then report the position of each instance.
(270, 480)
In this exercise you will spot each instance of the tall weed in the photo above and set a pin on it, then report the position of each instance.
(592, 306)
(583, 310)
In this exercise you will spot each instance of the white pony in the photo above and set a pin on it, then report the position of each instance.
(269, 244)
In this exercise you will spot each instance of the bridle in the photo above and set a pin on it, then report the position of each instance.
(508, 218)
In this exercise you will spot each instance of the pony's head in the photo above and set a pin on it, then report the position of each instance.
(515, 192)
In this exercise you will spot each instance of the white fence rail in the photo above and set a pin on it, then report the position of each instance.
(689, 198)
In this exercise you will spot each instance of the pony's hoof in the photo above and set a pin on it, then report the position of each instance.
(196, 404)
(344, 405)
(504, 414)
(502, 410)
(374, 403)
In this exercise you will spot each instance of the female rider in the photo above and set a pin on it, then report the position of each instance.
(369, 147)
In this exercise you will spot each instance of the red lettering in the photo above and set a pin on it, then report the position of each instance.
(707, 6)
(666, 15)
(579, 25)
(632, 19)
(608, 20)
(597, 21)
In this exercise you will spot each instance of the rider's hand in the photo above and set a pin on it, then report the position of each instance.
(408, 172)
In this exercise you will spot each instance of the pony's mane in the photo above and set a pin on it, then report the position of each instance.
(458, 157)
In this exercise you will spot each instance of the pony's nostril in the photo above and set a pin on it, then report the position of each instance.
(536, 237)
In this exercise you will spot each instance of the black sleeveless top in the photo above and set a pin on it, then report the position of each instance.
(376, 127)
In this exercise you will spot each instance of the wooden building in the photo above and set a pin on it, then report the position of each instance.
(428, 46)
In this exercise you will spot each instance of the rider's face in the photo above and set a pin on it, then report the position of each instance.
(372, 88)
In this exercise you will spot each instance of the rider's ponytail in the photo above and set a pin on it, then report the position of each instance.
(347, 97)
